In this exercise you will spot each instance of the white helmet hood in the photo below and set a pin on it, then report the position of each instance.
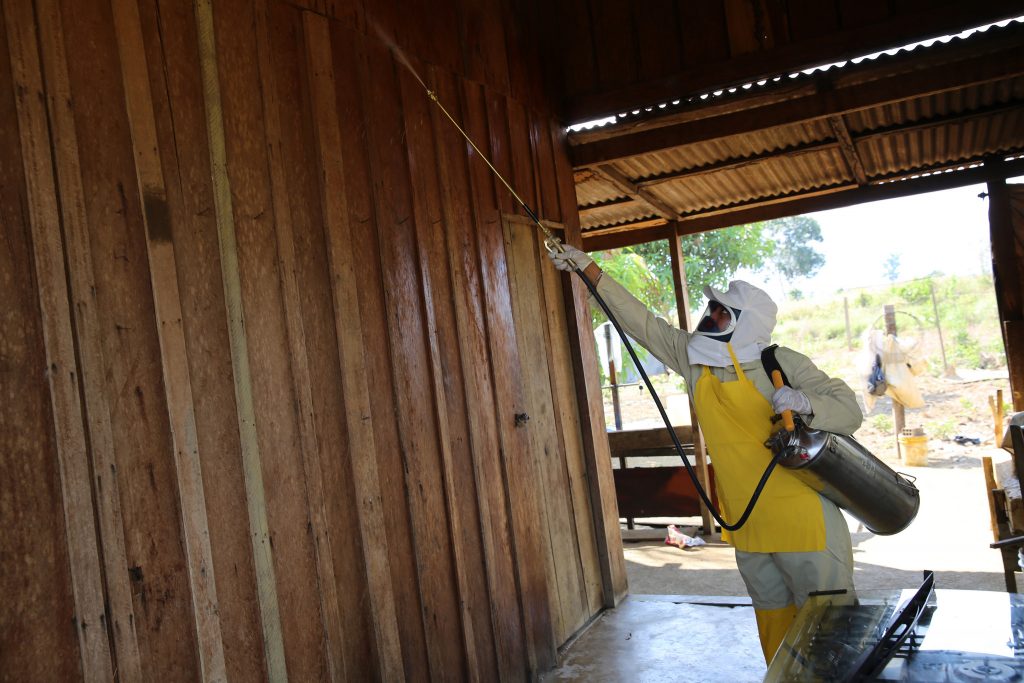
(754, 321)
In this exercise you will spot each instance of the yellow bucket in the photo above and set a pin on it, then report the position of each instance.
(914, 447)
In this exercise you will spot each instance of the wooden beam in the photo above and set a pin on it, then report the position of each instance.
(848, 149)
(737, 163)
(44, 220)
(631, 189)
(1007, 236)
(755, 66)
(682, 293)
(238, 341)
(803, 204)
(824, 146)
(616, 201)
(837, 93)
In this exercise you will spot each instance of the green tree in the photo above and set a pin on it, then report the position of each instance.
(712, 258)
(795, 255)
(632, 271)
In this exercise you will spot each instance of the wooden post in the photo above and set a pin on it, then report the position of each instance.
(613, 381)
(996, 406)
(1008, 279)
(683, 310)
(898, 415)
(846, 314)
(938, 326)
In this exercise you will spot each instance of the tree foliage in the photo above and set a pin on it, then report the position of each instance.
(782, 246)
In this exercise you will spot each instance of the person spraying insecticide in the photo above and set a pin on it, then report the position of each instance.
(795, 541)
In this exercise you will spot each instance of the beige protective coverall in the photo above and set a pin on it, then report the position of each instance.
(779, 568)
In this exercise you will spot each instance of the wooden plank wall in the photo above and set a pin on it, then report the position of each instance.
(259, 359)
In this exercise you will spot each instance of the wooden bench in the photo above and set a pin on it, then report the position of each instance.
(663, 491)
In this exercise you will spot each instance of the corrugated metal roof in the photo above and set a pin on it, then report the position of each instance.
(949, 126)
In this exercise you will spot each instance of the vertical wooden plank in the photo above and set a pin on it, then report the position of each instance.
(353, 114)
(588, 395)
(446, 371)
(177, 382)
(521, 156)
(157, 562)
(407, 329)
(569, 603)
(354, 379)
(36, 574)
(83, 288)
(547, 183)
(470, 321)
(567, 413)
(340, 564)
(560, 348)
(516, 462)
(484, 55)
(254, 642)
(228, 252)
(522, 249)
(324, 103)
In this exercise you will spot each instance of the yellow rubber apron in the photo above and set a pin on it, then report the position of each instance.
(736, 421)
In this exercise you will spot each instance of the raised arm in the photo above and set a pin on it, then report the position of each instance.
(667, 343)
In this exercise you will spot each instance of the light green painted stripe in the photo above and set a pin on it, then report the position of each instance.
(255, 497)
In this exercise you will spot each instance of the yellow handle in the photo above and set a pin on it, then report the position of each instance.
(787, 415)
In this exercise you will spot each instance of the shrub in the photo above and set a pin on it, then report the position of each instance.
(942, 429)
(881, 422)
(917, 292)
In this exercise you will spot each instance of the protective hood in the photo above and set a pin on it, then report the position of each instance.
(754, 316)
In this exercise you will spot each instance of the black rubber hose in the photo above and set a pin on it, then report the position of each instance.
(672, 432)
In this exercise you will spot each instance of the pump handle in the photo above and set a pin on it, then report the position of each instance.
(787, 415)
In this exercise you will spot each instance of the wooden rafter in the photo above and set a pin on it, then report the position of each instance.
(848, 149)
(834, 198)
(631, 189)
(823, 146)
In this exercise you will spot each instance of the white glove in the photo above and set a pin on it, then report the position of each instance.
(788, 398)
(562, 259)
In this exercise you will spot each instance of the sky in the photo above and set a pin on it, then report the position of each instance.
(943, 231)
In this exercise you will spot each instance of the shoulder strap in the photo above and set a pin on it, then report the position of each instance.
(770, 363)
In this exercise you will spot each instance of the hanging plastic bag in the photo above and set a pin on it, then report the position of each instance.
(902, 387)
(870, 368)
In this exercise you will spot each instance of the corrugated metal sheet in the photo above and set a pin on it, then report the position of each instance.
(907, 137)
(774, 177)
(738, 147)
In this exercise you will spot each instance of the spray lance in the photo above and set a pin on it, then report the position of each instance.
(553, 244)
(831, 464)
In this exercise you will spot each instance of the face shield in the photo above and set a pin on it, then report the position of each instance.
(718, 321)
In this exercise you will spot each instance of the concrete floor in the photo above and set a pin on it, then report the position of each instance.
(688, 619)
(653, 638)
